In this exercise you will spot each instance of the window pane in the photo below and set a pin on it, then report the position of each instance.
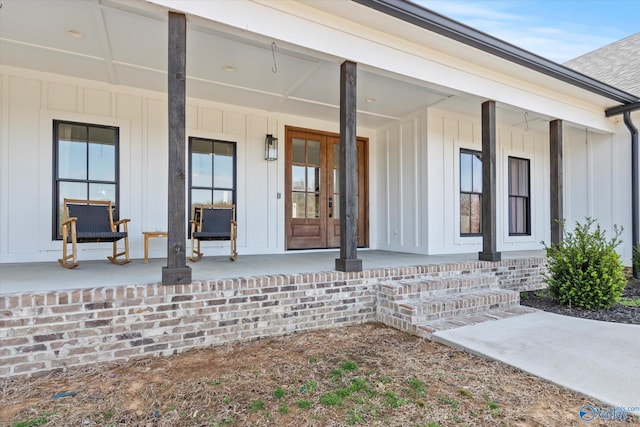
(336, 181)
(201, 164)
(102, 192)
(298, 152)
(512, 215)
(100, 135)
(223, 165)
(477, 173)
(201, 197)
(466, 183)
(465, 213)
(313, 153)
(313, 205)
(513, 176)
(224, 197)
(523, 184)
(71, 132)
(336, 156)
(72, 151)
(298, 206)
(102, 161)
(336, 206)
(69, 190)
(72, 190)
(465, 205)
(313, 179)
(475, 225)
(298, 178)
(519, 215)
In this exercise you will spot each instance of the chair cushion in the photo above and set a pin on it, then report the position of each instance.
(100, 236)
(212, 235)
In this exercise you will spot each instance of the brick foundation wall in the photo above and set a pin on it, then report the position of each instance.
(42, 332)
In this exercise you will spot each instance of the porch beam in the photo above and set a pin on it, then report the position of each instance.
(489, 239)
(177, 271)
(556, 179)
(348, 260)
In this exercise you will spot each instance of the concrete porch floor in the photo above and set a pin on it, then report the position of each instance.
(49, 276)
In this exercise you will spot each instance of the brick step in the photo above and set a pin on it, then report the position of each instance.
(456, 304)
(428, 328)
(422, 287)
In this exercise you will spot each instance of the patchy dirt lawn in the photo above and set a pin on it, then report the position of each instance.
(363, 375)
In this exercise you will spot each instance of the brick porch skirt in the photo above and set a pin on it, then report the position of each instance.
(48, 331)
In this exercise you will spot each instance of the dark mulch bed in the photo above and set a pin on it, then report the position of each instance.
(618, 313)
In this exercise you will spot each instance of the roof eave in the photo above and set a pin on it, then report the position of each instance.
(432, 21)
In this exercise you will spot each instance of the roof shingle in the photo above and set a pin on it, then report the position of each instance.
(617, 64)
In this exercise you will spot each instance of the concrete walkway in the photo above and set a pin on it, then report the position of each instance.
(597, 359)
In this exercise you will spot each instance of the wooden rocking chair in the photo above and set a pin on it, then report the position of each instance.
(91, 221)
(213, 222)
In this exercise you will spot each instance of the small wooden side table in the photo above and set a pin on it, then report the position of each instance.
(147, 236)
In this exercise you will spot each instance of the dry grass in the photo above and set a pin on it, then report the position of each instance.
(364, 375)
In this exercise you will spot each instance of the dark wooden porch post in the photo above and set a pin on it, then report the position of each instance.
(489, 240)
(557, 215)
(176, 270)
(348, 260)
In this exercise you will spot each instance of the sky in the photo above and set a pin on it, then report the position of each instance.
(558, 30)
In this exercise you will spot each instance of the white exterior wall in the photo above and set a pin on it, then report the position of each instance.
(413, 166)
(598, 180)
(32, 100)
(419, 160)
(400, 169)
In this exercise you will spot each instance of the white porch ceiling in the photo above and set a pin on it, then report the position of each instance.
(125, 43)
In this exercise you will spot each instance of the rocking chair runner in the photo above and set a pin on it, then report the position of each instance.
(213, 222)
(91, 221)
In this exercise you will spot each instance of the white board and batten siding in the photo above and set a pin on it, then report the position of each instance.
(598, 180)
(419, 205)
(413, 178)
(32, 100)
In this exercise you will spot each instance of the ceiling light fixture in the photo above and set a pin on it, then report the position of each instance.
(75, 34)
(370, 100)
(229, 68)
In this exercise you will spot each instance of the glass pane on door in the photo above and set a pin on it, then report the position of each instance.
(298, 205)
(306, 178)
(298, 154)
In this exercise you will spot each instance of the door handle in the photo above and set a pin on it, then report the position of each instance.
(330, 207)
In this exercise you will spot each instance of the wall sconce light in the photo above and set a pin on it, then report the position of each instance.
(270, 147)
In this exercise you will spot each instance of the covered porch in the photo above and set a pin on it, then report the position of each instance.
(36, 277)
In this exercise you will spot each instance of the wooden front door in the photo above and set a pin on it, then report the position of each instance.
(312, 201)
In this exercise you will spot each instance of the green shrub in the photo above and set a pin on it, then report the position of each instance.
(584, 268)
(636, 257)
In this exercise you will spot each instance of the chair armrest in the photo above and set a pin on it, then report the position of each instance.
(69, 220)
(123, 222)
